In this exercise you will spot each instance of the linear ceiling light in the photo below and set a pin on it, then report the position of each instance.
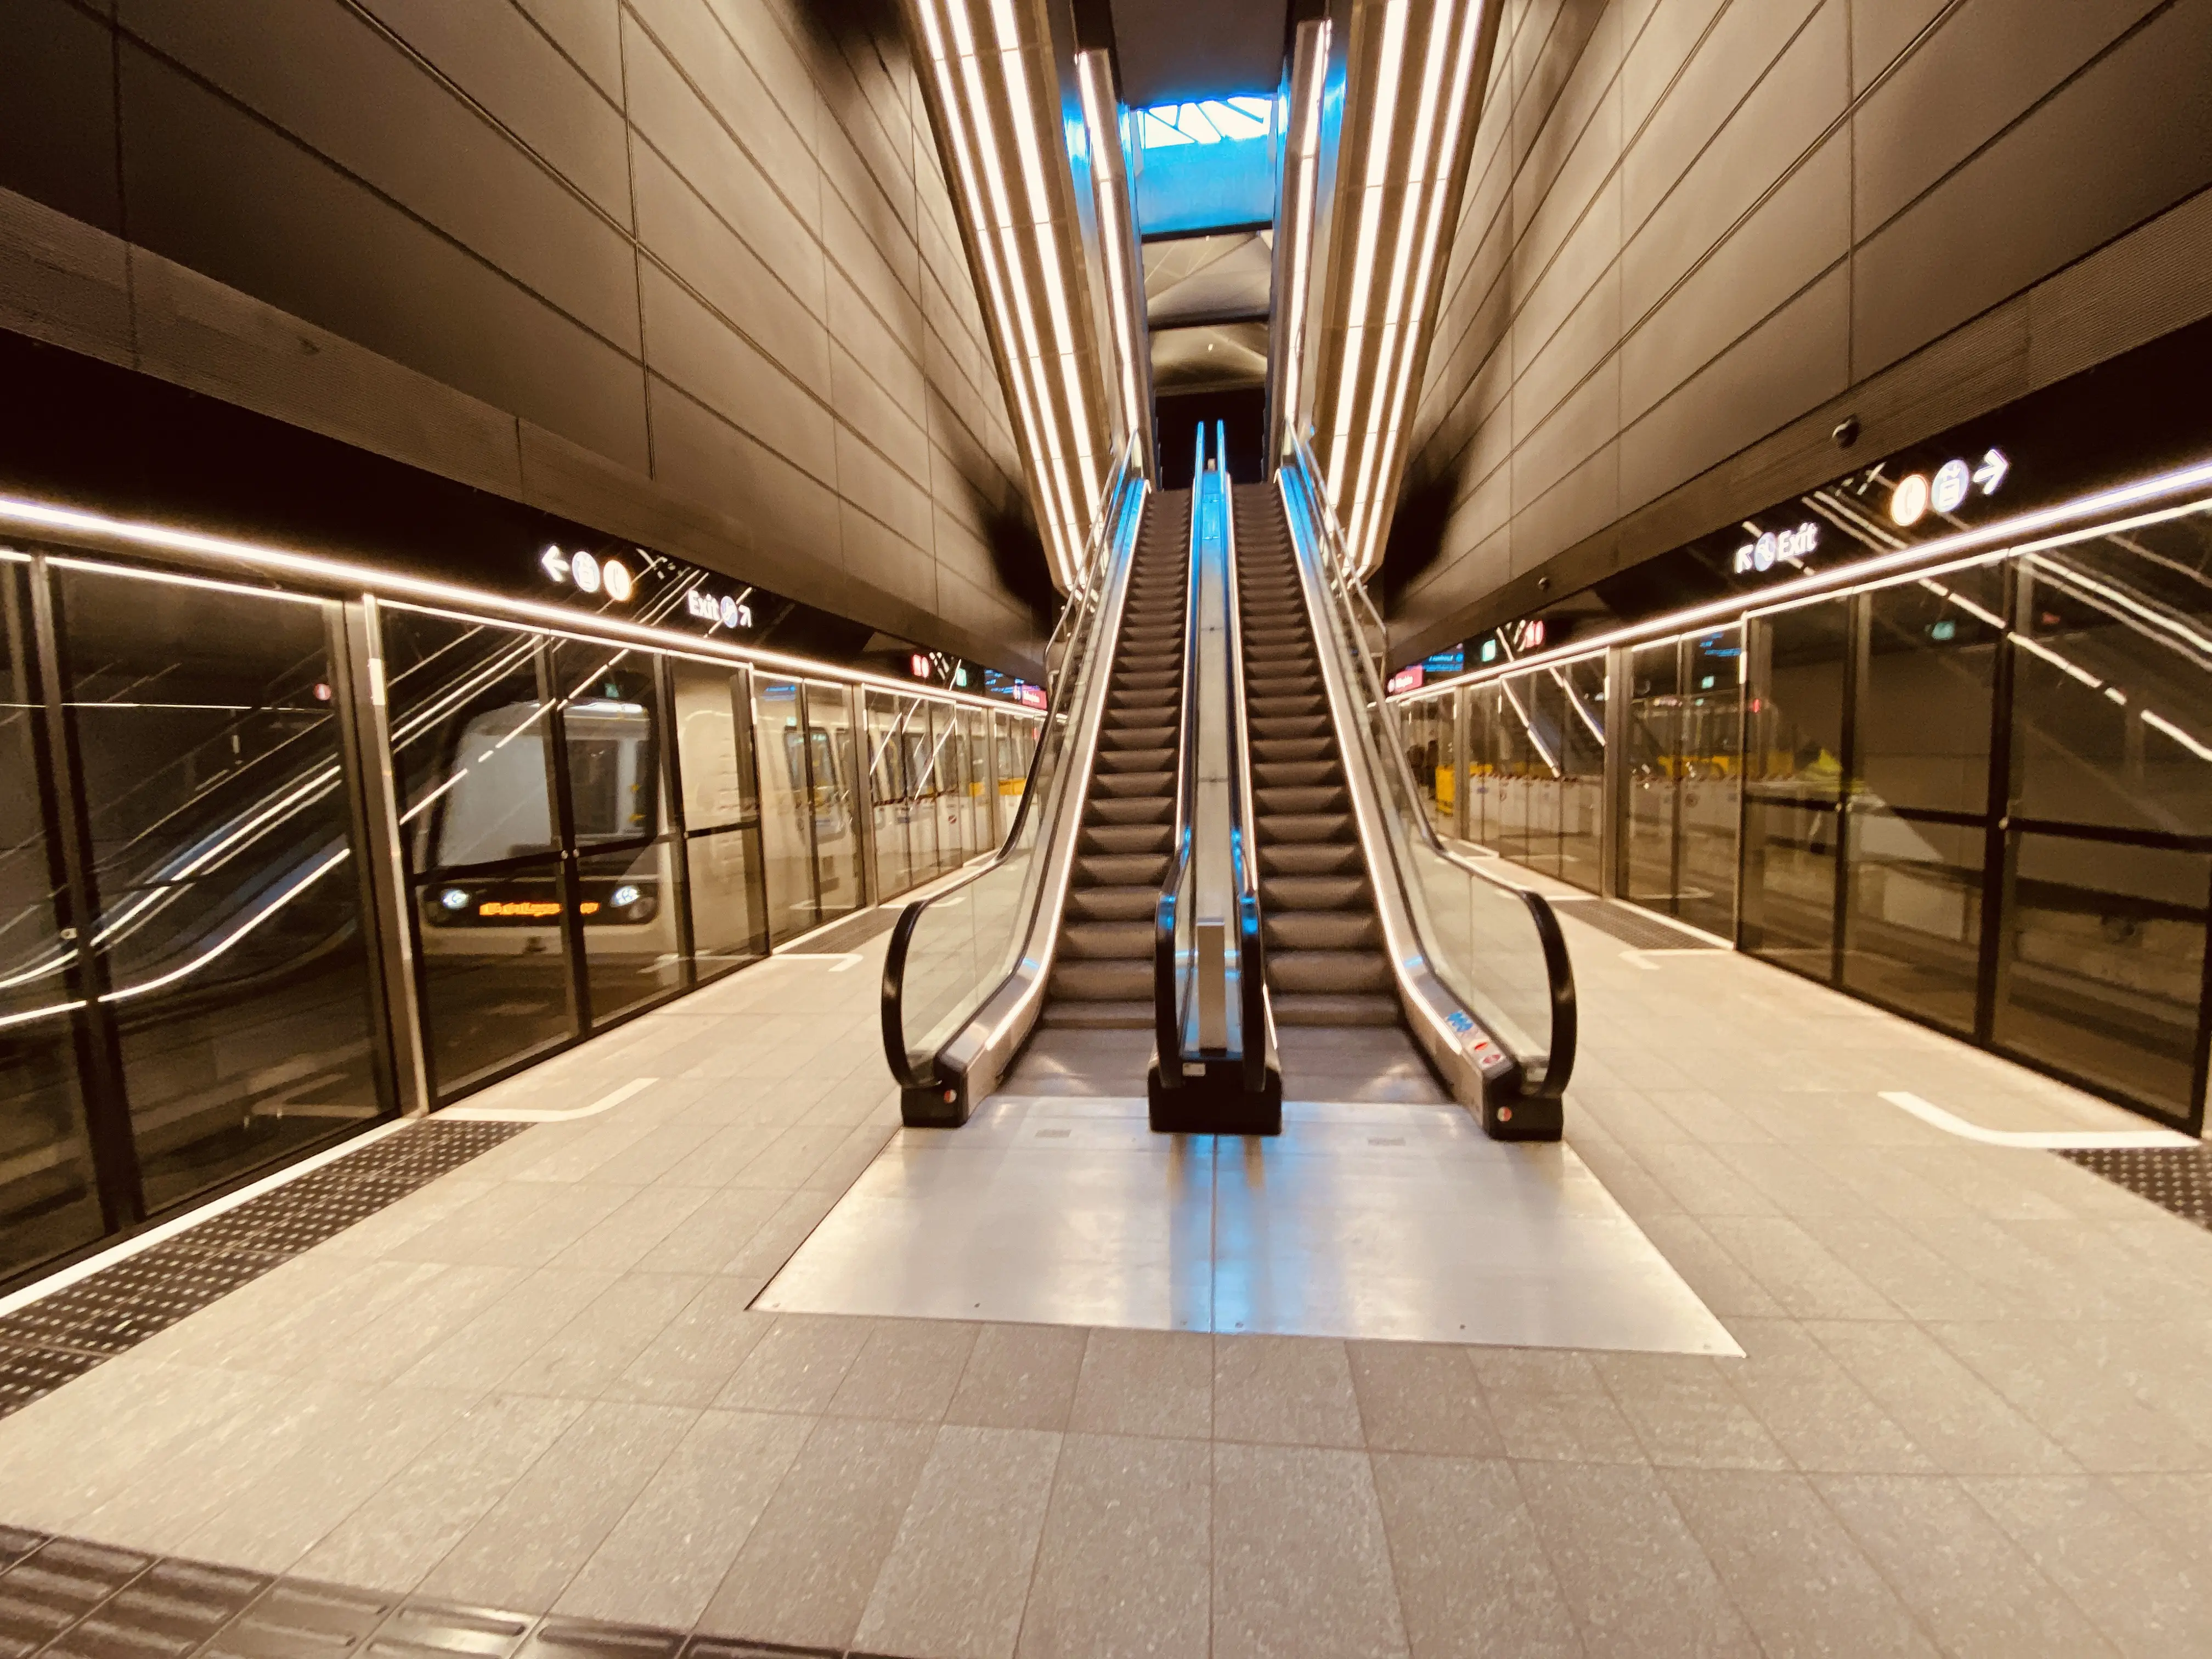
(1409, 125)
(1294, 234)
(1117, 236)
(998, 123)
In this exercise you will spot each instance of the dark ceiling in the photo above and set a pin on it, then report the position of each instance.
(1170, 51)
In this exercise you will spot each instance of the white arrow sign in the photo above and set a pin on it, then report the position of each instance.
(1992, 472)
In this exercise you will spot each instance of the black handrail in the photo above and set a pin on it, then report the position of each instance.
(1167, 1015)
(1558, 967)
(1251, 927)
(1112, 505)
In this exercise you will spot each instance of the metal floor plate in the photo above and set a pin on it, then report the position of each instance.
(1396, 1221)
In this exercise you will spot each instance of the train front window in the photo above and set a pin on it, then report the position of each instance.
(495, 807)
(613, 749)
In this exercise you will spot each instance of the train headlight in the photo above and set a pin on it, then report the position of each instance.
(623, 897)
(453, 899)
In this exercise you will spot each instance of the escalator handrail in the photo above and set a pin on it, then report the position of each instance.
(1114, 503)
(1251, 930)
(1167, 1011)
(1558, 967)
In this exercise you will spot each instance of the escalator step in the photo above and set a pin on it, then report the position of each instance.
(1115, 904)
(1335, 972)
(1277, 827)
(1107, 941)
(1105, 982)
(1133, 1014)
(1304, 1008)
(1318, 798)
(1339, 891)
(1312, 859)
(1322, 930)
(1120, 838)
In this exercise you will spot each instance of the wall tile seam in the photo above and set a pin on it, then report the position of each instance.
(1627, 142)
(1590, 546)
(1559, 92)
(1862, 236)
(834, 488)
(529, 20)
(821, 177)
(1629, 330)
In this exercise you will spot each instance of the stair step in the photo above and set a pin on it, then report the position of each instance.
(1107, 941)
(1276, 827)
(1333, 971)
(1128, 1015)
(1306, 799)
(1308, 1008)
(1121, 838)
(1115, 904)
(1318, 858)
(1103, 981)
(1322, 930)
(1121, 869)
(1340, 891)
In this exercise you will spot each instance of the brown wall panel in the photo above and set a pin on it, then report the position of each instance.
(684, 268)
(1693, 226)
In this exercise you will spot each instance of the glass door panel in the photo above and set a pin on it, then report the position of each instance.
(1914, 924)
(1547, 713)
(49, 1198)
(721, 814)
(1709, 809)
(833, 762)
(1655, 750)
(887, 790)
(470, 724)
(947, 767)
(1793, 770)
(1580, 686)
(976, 786)
(617, 781)
(1481, 768)
(917, 813)
(2102, 971)
(787, 825)
(228, 895)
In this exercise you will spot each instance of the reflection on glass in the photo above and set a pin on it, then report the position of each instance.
(2101, 973)
(887, 789)
(1581, 689)
(1793, 771)
(469, 723)
(1652, 839)
(727, 926)
(1481, 766)
(2113, 682)
(610, 713)
(229, 901)
(1710, 786)
(631, 953)
(48, 1201)
(835, 762)
(1923, 717)
(917, 812)
(1427, 724)
(1913, 933)
(786, 826)
(975, 780)
(947, 771)
(714, 744)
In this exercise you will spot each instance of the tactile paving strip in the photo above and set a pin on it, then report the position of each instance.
(61, 1598)
(1639, 929)
(60, 1337)
(2176, 1178)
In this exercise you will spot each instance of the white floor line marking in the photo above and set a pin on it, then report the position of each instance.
(192, 1217)
(539, 1115)
(2048, 1140)
(844, 959)
(1635, 959)
(1639, 954)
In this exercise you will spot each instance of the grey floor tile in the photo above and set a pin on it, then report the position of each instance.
(1631, 1570)
(522, 1552)
(1969, 1585)
(1419, 1397)
(1702, 1182)
(1721, 1284)
(2148, 1590)
(673, 1547)
(1549, 1404)
(267, 1524)
(798, 1365)
(1124, 1566)
(1019, 1377)
(958, 1573)
(1685, 1414)
(1793, 1572)
(586, 1355)
(1962, 1424)
(1792, 1268)
(390, 1541)
(907, 1368)
(642, 1221)
(1473, 1579)
(695, 1354)
(713, 1236)
(1158, 1382)
(808, 1565)
(1285, 1390)
(1820, 1418)
(495, 1340)
(2093, 1415)
(1300, 1561)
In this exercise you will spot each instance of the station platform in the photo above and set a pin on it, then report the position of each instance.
(549, 1373)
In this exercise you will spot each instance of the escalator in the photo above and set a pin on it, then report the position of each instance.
(1326, 965)
(1103, 976)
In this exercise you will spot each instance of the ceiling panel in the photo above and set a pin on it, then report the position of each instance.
(1169, 50)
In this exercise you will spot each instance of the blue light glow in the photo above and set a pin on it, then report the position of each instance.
(1208, 122)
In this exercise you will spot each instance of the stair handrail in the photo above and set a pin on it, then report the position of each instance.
(1352, 597)
(1072, 639)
